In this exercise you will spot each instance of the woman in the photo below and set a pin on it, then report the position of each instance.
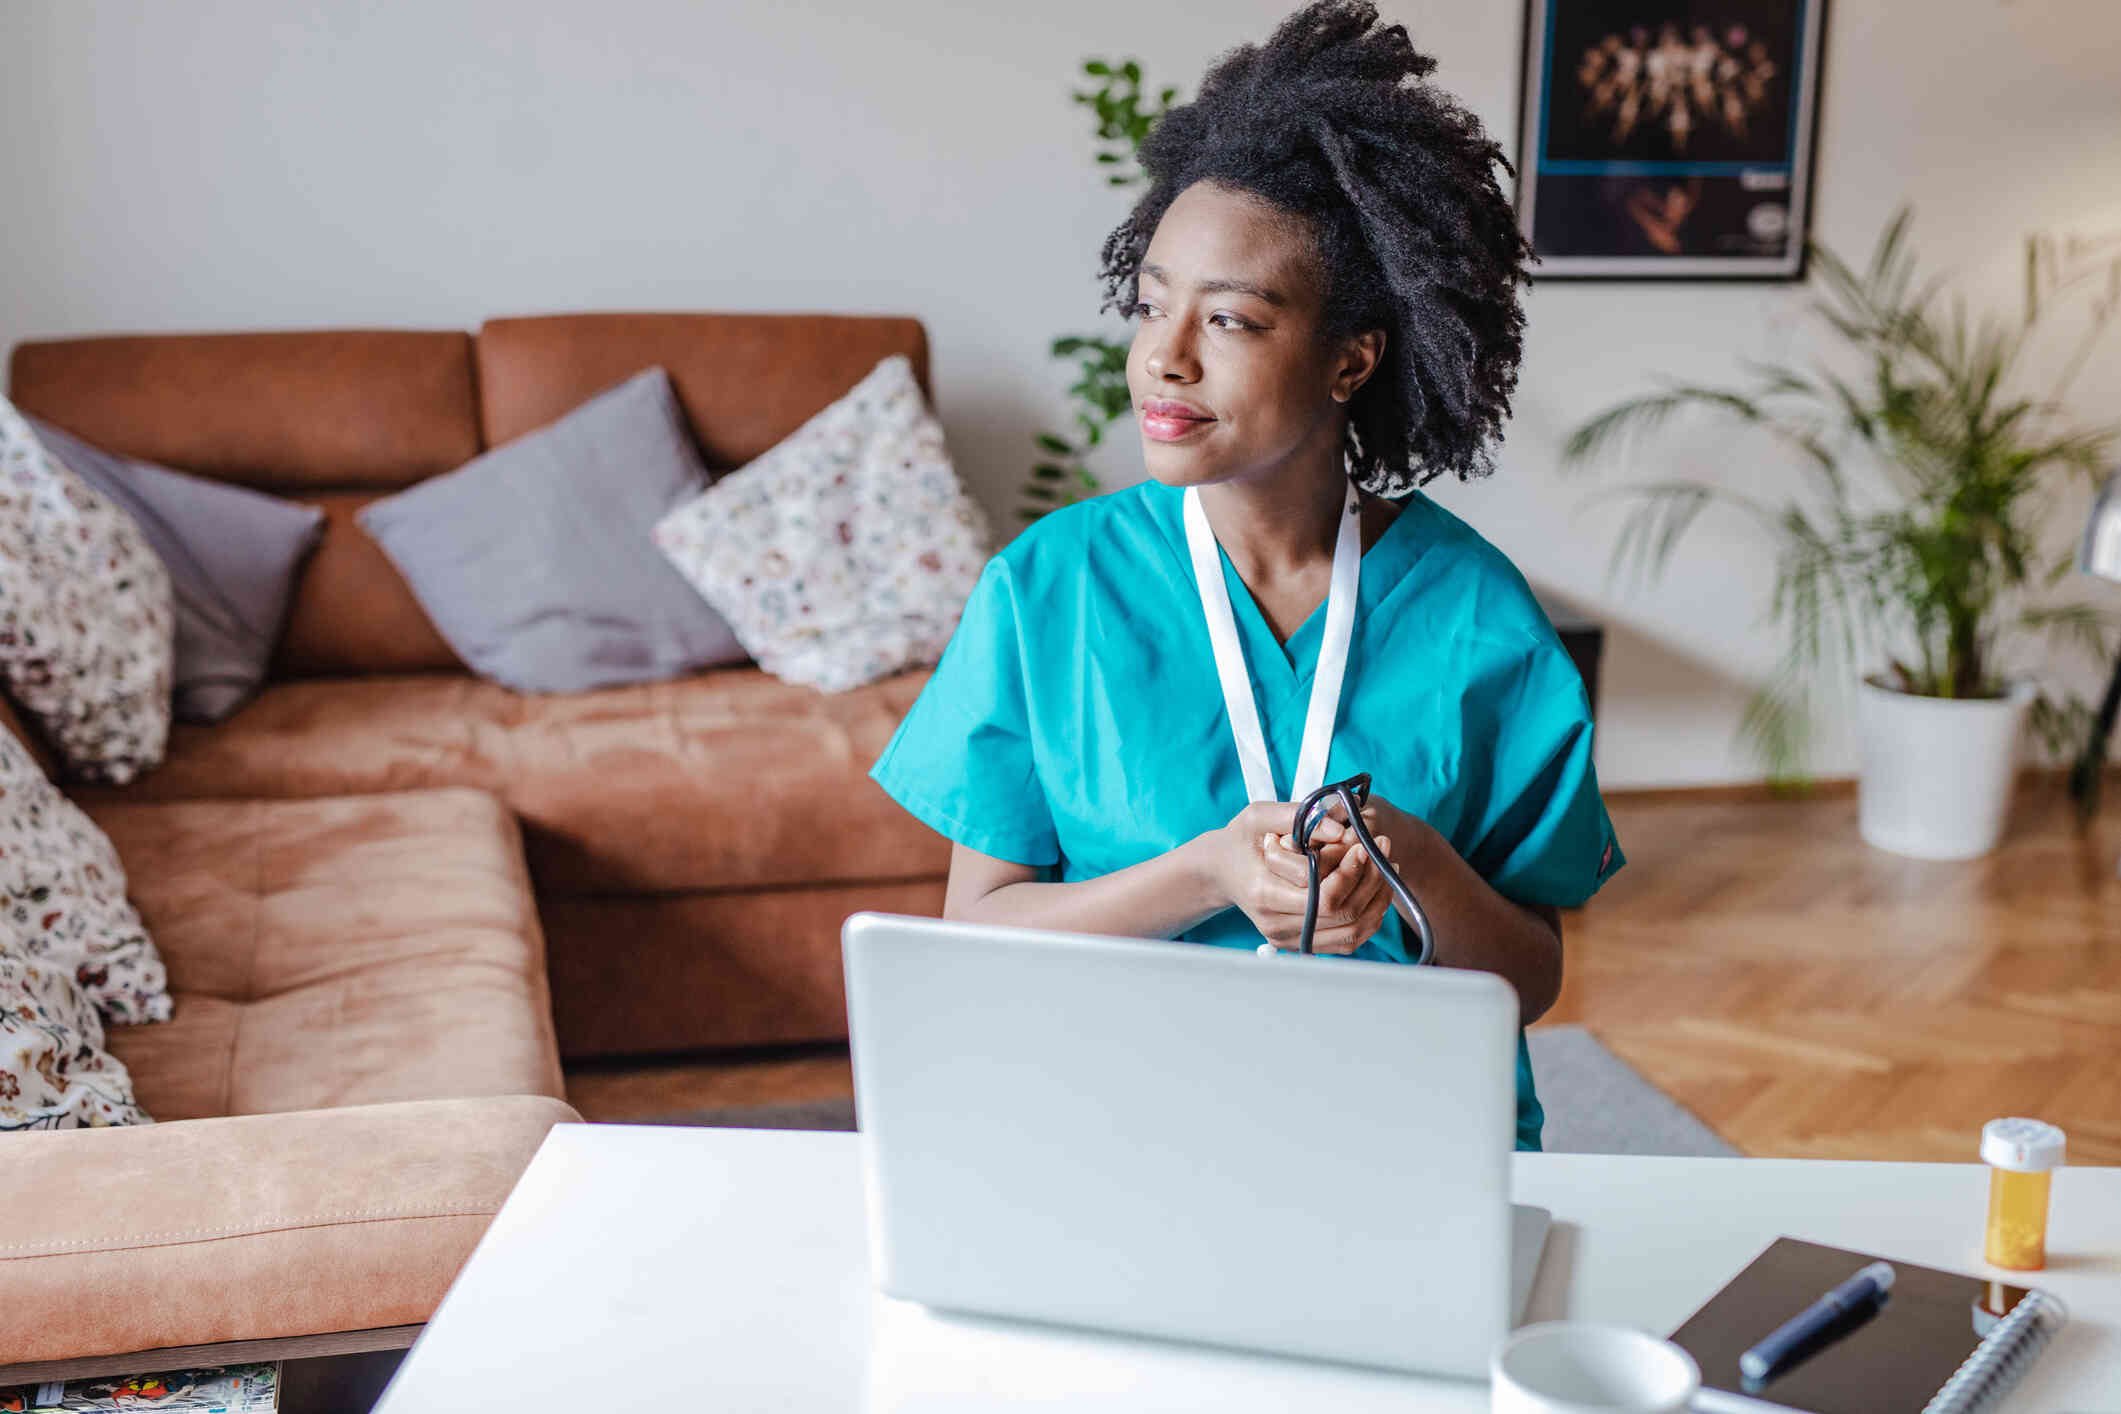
(1323, 274)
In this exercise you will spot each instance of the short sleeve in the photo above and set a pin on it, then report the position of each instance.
(962, 761)
(1541, 834)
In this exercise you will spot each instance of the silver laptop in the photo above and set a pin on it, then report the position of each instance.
(1305, 1155)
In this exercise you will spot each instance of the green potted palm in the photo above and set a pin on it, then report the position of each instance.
(1907, 551)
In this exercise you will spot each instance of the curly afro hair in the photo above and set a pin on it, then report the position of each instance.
(1330, 122)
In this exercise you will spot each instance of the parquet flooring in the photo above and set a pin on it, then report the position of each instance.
(1810, 996)
(1803, 993)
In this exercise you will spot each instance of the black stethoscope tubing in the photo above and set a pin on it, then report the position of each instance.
(1354, 792)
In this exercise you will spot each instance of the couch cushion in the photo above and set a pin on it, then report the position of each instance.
(378, 408)
(333, 417)
(114, 1241)
(845, 553)
(87, 616)
(725, 779)
(745, 380)
(353, 612)
(534, 558)
(637, 974)
(232, 555)
(32, 740)
(63, 898)
(335, 952)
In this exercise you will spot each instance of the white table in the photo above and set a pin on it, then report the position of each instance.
(641, 1266)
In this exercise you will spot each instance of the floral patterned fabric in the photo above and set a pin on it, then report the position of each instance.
(846, 552)
(64, 908)
(87, 623)
(54, 1072)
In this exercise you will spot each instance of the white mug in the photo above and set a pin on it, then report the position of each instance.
(1588, 1367)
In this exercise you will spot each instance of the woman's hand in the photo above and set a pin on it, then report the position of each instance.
(1258, 868)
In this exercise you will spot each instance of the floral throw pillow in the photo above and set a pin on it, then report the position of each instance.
(87, 624)
(54, 1072)
(847, 551)
(63, 907)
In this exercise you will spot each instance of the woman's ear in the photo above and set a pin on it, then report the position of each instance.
(1359, 359)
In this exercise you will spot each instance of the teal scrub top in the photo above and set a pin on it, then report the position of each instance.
(1075, 722)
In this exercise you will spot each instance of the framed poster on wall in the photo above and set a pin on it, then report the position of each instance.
(1668, 139)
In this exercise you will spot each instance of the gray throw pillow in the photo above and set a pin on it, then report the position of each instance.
(232, 556)
(534, 559)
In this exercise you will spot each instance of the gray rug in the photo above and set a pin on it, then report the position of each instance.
(1596, 1103)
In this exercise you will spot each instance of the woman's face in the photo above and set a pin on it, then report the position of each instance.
(1228, 347)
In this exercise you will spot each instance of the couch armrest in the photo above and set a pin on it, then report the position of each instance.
(253, 1226)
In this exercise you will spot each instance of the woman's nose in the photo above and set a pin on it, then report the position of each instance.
(1172, 359)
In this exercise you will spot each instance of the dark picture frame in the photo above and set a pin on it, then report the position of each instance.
(1669, 139)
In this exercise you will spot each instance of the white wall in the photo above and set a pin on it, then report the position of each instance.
(256, 164)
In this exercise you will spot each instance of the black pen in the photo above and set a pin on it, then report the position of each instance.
(1865, 1289)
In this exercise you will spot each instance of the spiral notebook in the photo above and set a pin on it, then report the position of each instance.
(1942, 1343)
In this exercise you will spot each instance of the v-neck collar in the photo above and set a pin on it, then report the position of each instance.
(1275, 664)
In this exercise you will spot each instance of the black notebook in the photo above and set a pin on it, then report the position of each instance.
(1941, 1342)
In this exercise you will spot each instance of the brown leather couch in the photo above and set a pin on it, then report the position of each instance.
(391, 895)
(694, 844)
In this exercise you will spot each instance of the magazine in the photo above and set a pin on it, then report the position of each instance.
(213, 1389)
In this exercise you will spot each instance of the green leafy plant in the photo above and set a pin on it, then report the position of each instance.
(1926, 581)
(1063, 474)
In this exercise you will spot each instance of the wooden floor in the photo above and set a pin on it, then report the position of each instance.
(1802, 992)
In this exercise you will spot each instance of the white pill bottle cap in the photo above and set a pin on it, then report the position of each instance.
(2021, 1145)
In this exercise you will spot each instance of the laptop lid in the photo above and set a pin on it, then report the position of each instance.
(1307, 1155)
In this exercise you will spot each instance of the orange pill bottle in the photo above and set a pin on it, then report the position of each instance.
(2022, 1155)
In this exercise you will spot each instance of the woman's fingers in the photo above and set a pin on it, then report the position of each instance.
(1341, 940)
(1353, 895)
(1329, 828)
(1371, 889)
(1334, 829)
(1286, 861)
(1338, 891)
(1366, 916)
(1355, 918)
(1330, 823)
(1285, 886)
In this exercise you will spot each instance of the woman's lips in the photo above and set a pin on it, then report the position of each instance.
(1165, 428)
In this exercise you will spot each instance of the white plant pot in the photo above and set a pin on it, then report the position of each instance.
(1936, 772)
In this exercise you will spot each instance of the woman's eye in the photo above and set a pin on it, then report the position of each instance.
(1143, 308)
